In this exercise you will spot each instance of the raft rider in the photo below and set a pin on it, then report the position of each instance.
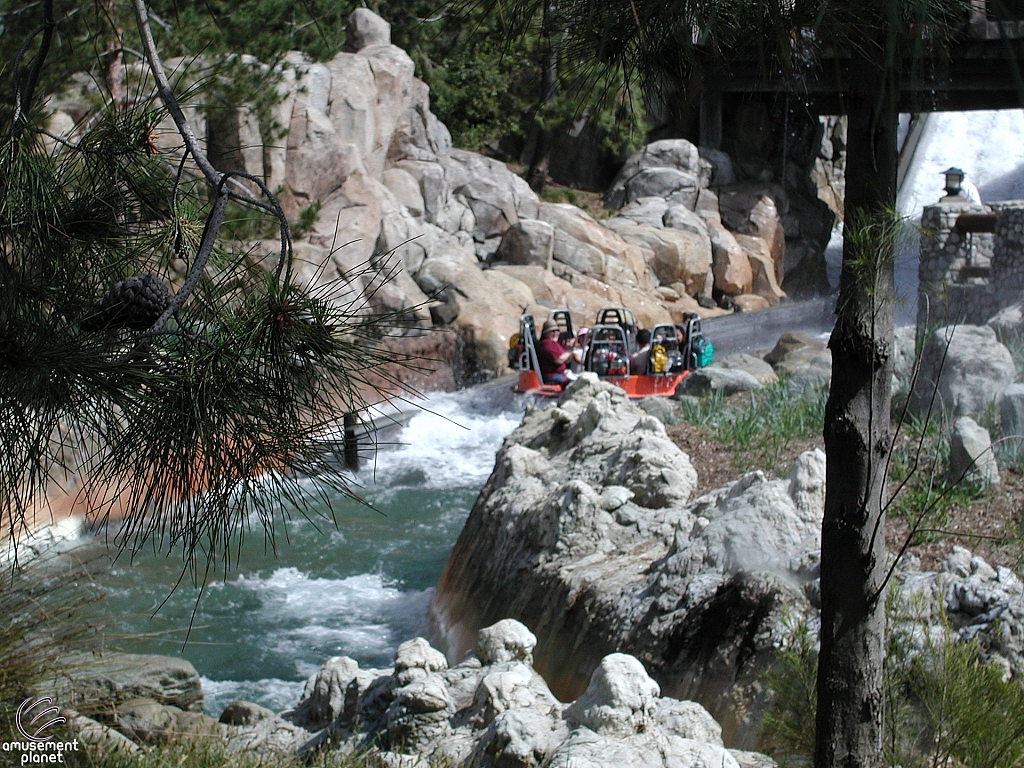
(553, 357)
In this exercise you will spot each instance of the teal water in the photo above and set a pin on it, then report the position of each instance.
(358, 590)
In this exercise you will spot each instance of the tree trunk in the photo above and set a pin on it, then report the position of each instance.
(537, 175)
(857, 440)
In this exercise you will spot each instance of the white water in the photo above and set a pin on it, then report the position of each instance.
(359, 589)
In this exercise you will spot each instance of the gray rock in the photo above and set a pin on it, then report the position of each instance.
(554, 535)
(529, 242)
(1008, 323)
(508, 640)
(713, 378)
(244, 713)
(1011, 420)
(673, 154)
(721, 166)
(971, 459)
(366, 28)
(793, 350)
(814, 373)
(755, 366)
(101, 737)
(673, 185)
(117, 677)
(967, 369)
(620, 699)
(647, 212)
(495, 710)
(661, 408)
(272, 734)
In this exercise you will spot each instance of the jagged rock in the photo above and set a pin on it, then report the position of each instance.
(967, 369)
(585, 532)
(762, 268)
(620, 699)
(971, 458)
(494, 710)
(975, 600)
(757, 210)
(508, 640)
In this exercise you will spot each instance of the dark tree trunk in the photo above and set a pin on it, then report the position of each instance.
(537, 175)
(857, 439)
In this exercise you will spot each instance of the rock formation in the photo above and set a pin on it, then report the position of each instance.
(586, 532)
(471, 244)
(491, 709)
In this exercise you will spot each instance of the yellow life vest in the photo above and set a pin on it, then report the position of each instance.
(659, 359)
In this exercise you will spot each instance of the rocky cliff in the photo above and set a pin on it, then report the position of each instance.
(471, 245)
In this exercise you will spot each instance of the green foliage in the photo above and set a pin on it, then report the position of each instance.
(920, 491)
(759, 426)
(945, 707)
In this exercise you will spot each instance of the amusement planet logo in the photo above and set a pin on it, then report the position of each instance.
(33, 719)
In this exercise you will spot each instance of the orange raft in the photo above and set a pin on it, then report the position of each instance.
(609, 343)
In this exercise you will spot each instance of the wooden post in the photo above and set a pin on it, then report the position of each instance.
(351, 422)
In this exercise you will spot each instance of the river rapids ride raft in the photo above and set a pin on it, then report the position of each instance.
(609, 345)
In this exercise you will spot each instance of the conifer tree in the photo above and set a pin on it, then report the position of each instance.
(149, 364)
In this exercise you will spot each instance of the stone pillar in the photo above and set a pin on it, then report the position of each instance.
(944, 298)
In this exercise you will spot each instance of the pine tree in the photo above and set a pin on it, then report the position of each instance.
(148, 363)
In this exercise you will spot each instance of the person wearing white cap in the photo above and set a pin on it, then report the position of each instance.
(552, 356)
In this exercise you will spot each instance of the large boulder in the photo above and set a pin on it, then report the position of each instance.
(660, 169)
(966, 368)
(585, 532)
(679, 256)
(102, 683)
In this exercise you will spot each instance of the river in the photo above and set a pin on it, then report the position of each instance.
(358, 589)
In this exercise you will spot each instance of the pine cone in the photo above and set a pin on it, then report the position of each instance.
(133, 304)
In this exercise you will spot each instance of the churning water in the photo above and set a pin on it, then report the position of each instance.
(359, 589)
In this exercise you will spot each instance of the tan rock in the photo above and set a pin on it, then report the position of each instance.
(757, 209)
(405, 188)
(648, 310)
(679, 255)
(486, 318)
(731, 267)
(749, 302)
(763, 268)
